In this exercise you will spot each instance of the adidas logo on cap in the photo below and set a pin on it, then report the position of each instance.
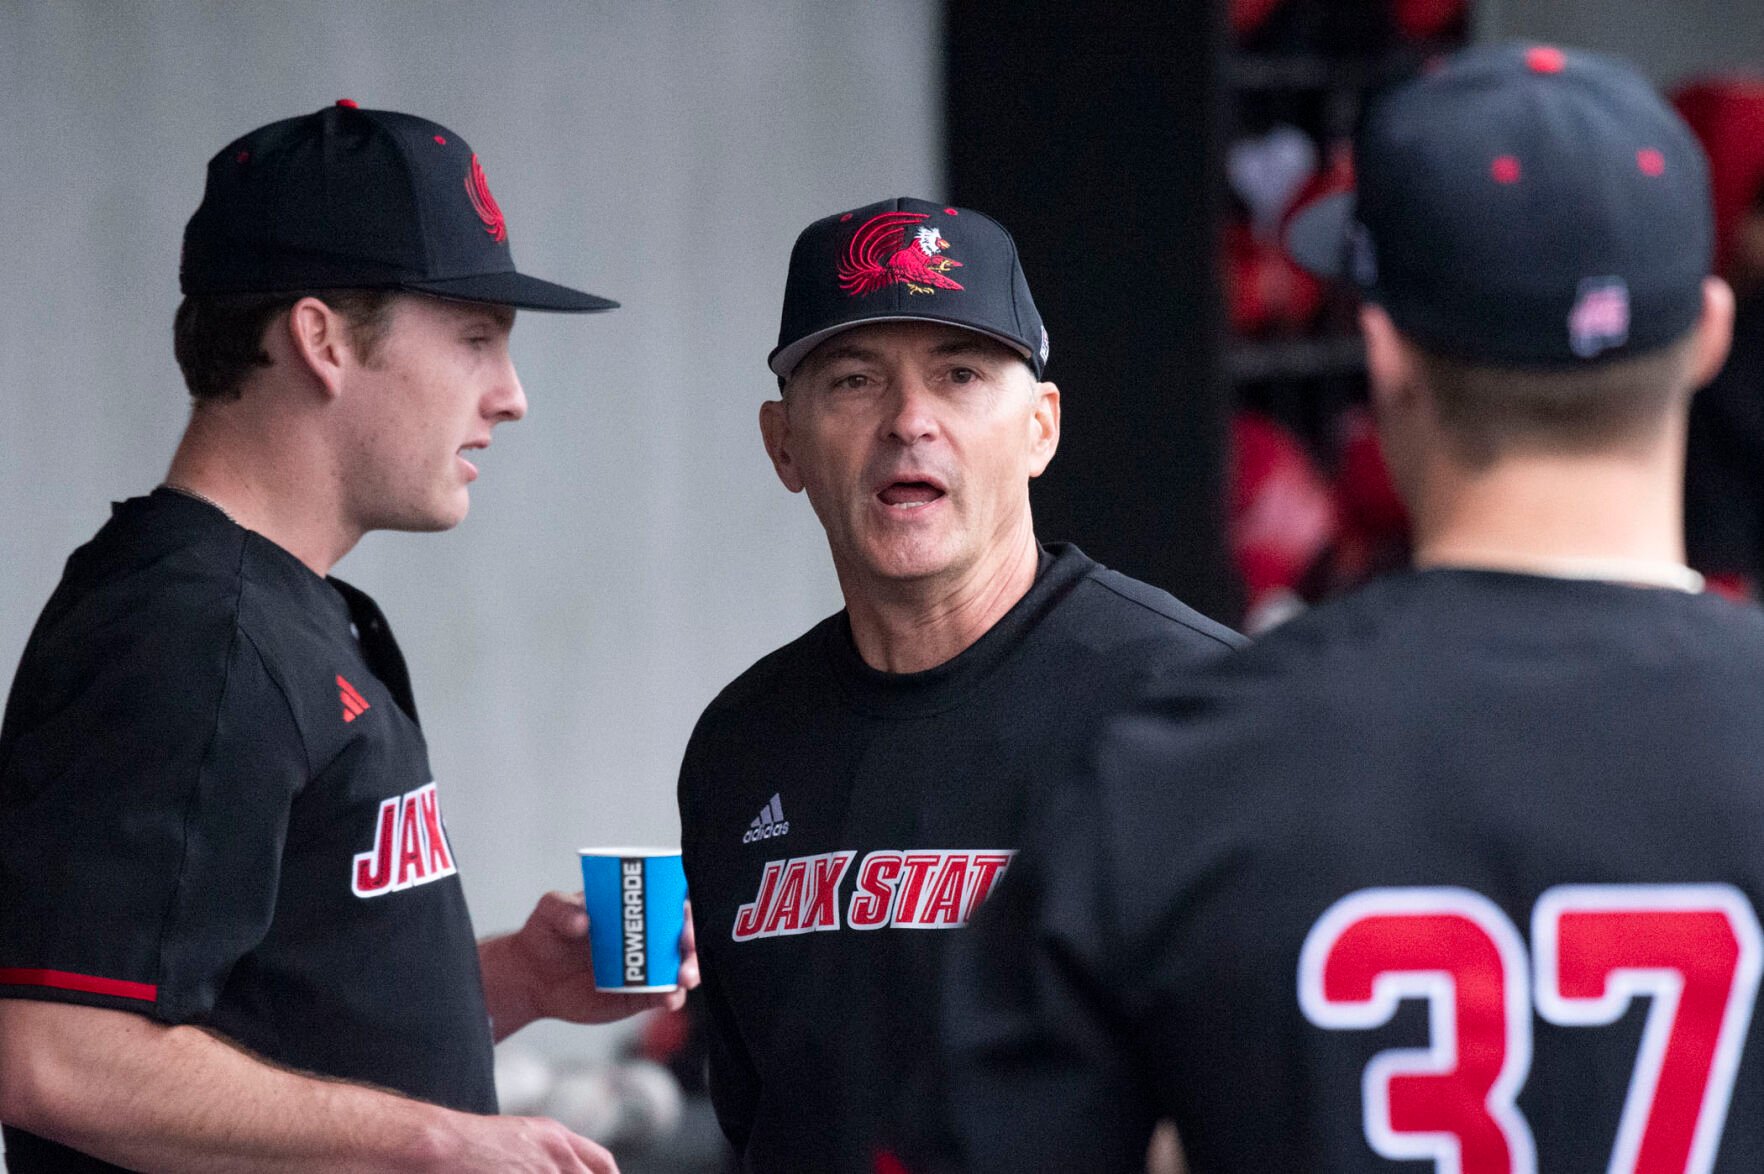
(768, 823)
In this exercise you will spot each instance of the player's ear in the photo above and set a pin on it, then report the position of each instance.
(1044, 428)
(1390, 363)
(318, 343)
(774, 422)
(1714, 330)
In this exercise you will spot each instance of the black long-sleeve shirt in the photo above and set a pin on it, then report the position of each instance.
(839, 823)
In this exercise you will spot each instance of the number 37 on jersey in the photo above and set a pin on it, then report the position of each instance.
(1694, 951)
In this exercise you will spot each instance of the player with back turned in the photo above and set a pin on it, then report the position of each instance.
(232, 929)
(1460, 873)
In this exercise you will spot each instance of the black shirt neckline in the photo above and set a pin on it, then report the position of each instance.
(284, 568)
(921, 694)
(1520, 579)
(351, 610)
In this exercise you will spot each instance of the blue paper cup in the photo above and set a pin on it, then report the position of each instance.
(636, 901)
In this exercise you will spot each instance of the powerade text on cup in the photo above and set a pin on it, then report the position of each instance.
(636, 960)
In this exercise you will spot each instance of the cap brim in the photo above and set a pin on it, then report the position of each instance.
(785, 359)
(1318, 236)
(517, 290)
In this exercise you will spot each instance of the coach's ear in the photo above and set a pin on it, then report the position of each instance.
(774, 422)
(1714, 330)
(1044, 428)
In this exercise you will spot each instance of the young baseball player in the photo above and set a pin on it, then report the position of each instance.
(848, 801)
(1461, 873)
(232, 930)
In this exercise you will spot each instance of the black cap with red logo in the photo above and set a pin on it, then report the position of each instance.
(347, 198)
(906, 260)
(1522, 205)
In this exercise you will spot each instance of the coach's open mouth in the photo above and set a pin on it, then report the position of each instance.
(909, 495)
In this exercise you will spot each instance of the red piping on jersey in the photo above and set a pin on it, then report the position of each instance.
(63, 980)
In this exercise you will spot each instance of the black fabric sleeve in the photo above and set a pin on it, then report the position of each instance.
(1724, 460)
(144, 808)
(733, 1081)
(1039, 1077)
(1724, 485)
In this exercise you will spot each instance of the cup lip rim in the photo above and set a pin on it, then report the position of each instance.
(626, 851)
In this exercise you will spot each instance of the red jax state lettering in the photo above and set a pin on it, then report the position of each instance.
(636, 951)
(410, 846)
(901, 889)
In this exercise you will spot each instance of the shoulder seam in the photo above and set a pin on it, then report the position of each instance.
(275, 679)
(1183, 621)
(190, 800)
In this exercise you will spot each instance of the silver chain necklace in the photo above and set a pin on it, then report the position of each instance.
(201, 497)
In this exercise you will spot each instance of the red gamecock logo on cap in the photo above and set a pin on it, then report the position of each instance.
(881, 253)
(478, 188)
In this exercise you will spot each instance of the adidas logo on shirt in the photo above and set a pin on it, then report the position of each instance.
(768, 823)
(354, 704)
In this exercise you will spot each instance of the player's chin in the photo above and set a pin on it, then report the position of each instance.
(434, 523)
(451, 510)
(434, 517)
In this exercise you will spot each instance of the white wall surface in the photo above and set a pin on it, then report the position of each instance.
(628, 550)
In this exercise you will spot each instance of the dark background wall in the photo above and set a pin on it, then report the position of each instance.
(1092, 131)
(1669, 41)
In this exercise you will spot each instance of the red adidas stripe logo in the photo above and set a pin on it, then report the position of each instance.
(354, 704)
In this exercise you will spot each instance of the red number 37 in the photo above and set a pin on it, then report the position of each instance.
(1695, 951)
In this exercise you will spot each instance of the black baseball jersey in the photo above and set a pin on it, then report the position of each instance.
(216, 809)
(1724, 465)
(1461, 873)
(838, 821)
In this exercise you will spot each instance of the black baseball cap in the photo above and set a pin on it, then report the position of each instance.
(906, 260)
(1522, 205)
(349, 198)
